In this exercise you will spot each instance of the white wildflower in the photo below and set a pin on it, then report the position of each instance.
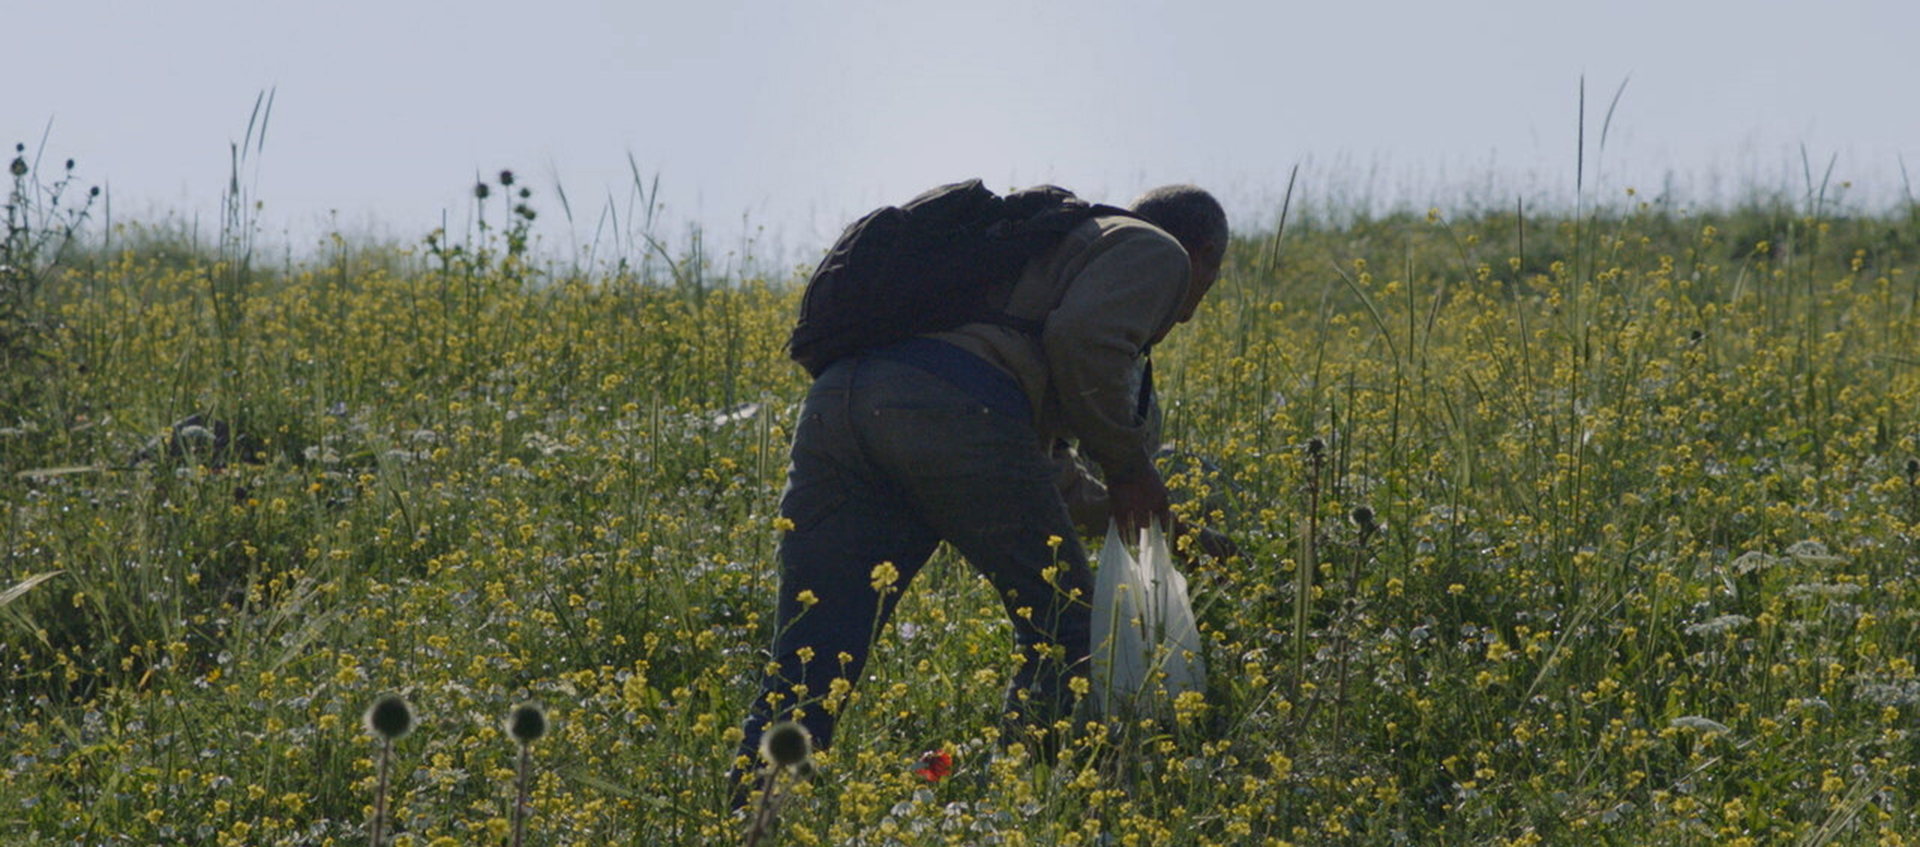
(744, 411)
(1700, 724)
(1808, 590)
(1882, 694)
(1753, 560)
(546, 445)
(1813, 553)
(1718, 625)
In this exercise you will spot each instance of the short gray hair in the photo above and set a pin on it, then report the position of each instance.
(1188, 213)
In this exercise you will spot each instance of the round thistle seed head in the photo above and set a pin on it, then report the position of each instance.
(786, 744)
(1315, 446)
(19, 166)
(481, 191)
(506, 177)
(390, 717)
(1362, 517)
(527, 723)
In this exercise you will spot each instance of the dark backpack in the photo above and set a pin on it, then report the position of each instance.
(927, 265)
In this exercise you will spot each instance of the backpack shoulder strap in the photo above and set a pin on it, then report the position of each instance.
(1051, 224)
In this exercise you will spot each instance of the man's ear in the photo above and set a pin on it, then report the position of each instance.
(1208, 251)
(1208, 254)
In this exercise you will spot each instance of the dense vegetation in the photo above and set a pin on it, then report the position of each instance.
(1607, 533)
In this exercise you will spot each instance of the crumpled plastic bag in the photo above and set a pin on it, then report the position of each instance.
(1145, 644)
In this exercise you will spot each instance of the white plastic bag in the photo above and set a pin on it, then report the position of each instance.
(1145, 645)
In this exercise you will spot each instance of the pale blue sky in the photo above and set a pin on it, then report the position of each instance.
(797, 115)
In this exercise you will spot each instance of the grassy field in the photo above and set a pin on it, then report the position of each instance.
(1641, 570)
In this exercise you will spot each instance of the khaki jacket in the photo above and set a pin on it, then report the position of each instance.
(1112, 284)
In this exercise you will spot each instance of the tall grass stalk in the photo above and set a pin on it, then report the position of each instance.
(1309, 563)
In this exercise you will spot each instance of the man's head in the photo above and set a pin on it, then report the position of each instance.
(1195, 219)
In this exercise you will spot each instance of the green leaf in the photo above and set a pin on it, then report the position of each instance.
(49, 473)
(25, 586)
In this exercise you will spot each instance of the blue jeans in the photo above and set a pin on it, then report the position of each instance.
(888, 461)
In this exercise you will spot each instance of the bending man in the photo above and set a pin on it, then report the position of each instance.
(947, 437)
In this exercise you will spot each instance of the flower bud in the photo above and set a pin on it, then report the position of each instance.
(1363, 519)
(786, 744)
(527, 723)
(389, 717)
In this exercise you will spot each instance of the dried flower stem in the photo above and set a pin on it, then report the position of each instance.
(520, 800)
(763, 815)
(380, 796)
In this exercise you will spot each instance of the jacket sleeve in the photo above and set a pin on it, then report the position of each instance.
(1128, 292)
(1080, 486)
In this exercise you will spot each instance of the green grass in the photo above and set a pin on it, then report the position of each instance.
(1644, 572)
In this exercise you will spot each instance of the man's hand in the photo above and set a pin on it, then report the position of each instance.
(1134, 502)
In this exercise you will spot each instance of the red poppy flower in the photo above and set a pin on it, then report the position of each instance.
(934, 765)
